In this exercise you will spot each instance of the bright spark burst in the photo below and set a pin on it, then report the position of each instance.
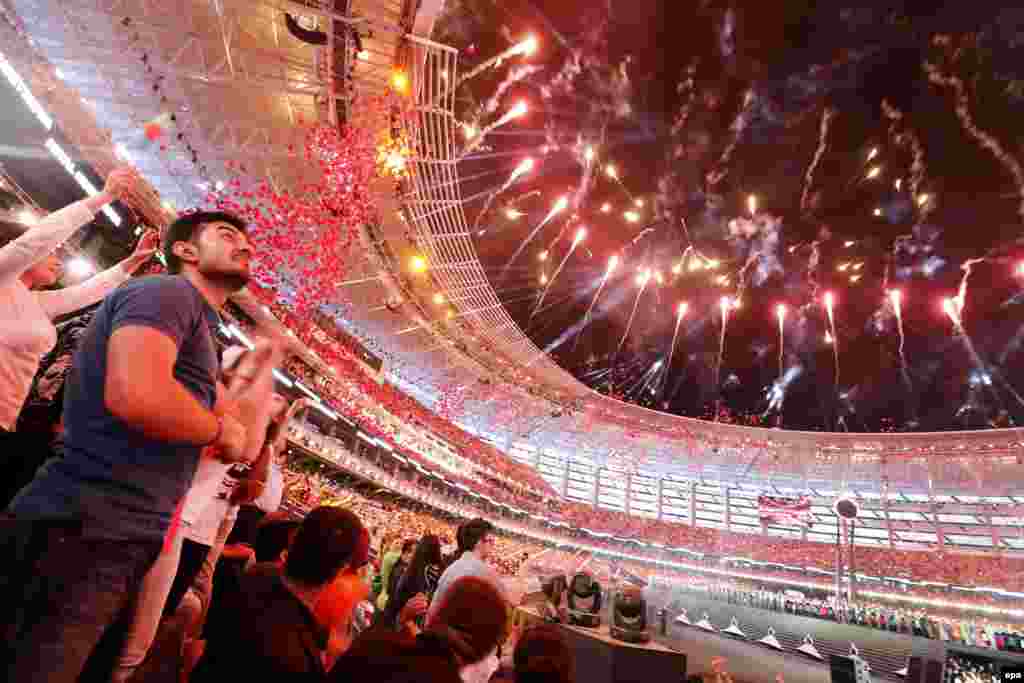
(752, 204)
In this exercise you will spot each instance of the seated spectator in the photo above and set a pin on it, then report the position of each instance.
(464, 632)
(272, 631)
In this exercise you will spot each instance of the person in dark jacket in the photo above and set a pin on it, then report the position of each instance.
(420, 577)
(273, 634)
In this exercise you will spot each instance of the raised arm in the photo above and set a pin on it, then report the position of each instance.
(63, 301)
(42, 239)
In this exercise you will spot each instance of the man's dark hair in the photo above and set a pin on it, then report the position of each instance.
(472, 532)
(10, 231)
(188, 227)
(329, 540)
(273, 536)
(408, 546)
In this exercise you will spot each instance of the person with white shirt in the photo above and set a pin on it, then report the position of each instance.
(28, 264)
(473, 539)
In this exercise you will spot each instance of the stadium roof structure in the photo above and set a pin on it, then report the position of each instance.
(231, 80)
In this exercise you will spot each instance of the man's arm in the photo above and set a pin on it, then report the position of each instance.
(141, 390)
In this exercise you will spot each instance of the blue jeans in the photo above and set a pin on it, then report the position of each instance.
(59, 591)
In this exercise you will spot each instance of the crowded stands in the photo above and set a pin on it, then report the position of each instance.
(234, 525)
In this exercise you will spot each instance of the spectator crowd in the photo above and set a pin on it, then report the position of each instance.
(159, 529)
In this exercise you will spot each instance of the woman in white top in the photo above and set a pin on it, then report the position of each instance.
(28, 264)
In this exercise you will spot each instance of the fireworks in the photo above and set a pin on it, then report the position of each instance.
(752, 204)
(826, 123)
(524, 167)
(681, 311)
(560, 205)
(642, 280)
(780, 312)
(520, 109)
(724, 304)
(983, 138)
(613, 263)
(829, 304)
(950, 308)
(580, 235)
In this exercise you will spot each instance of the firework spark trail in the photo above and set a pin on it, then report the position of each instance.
(896, 299)
(738, 127)
(688, 92)
(781, 312)
(952, 308)
(960, 300)
(580, 234)
(835, 339)
(644, 279)
(524, 167)
(895, 296)
(513, 113)
(559, 206)
(680, 314)
(741, 275)
(812, 268)
(526, 47)
(984, 139)
(613, 263)
(917, 166)
(515, 75)
(692, 247)
(724, 305)
(826, 123)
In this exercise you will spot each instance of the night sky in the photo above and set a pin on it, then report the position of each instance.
(700, 104)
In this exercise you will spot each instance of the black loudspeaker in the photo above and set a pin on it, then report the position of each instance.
(842, 669)
(629, 616)
(584, 598)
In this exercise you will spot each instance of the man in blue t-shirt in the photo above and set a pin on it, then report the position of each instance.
(140, 405)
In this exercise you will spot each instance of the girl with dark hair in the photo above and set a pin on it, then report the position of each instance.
(28, 264)
(420, 577)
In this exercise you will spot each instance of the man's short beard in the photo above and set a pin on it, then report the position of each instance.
(232, 282)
